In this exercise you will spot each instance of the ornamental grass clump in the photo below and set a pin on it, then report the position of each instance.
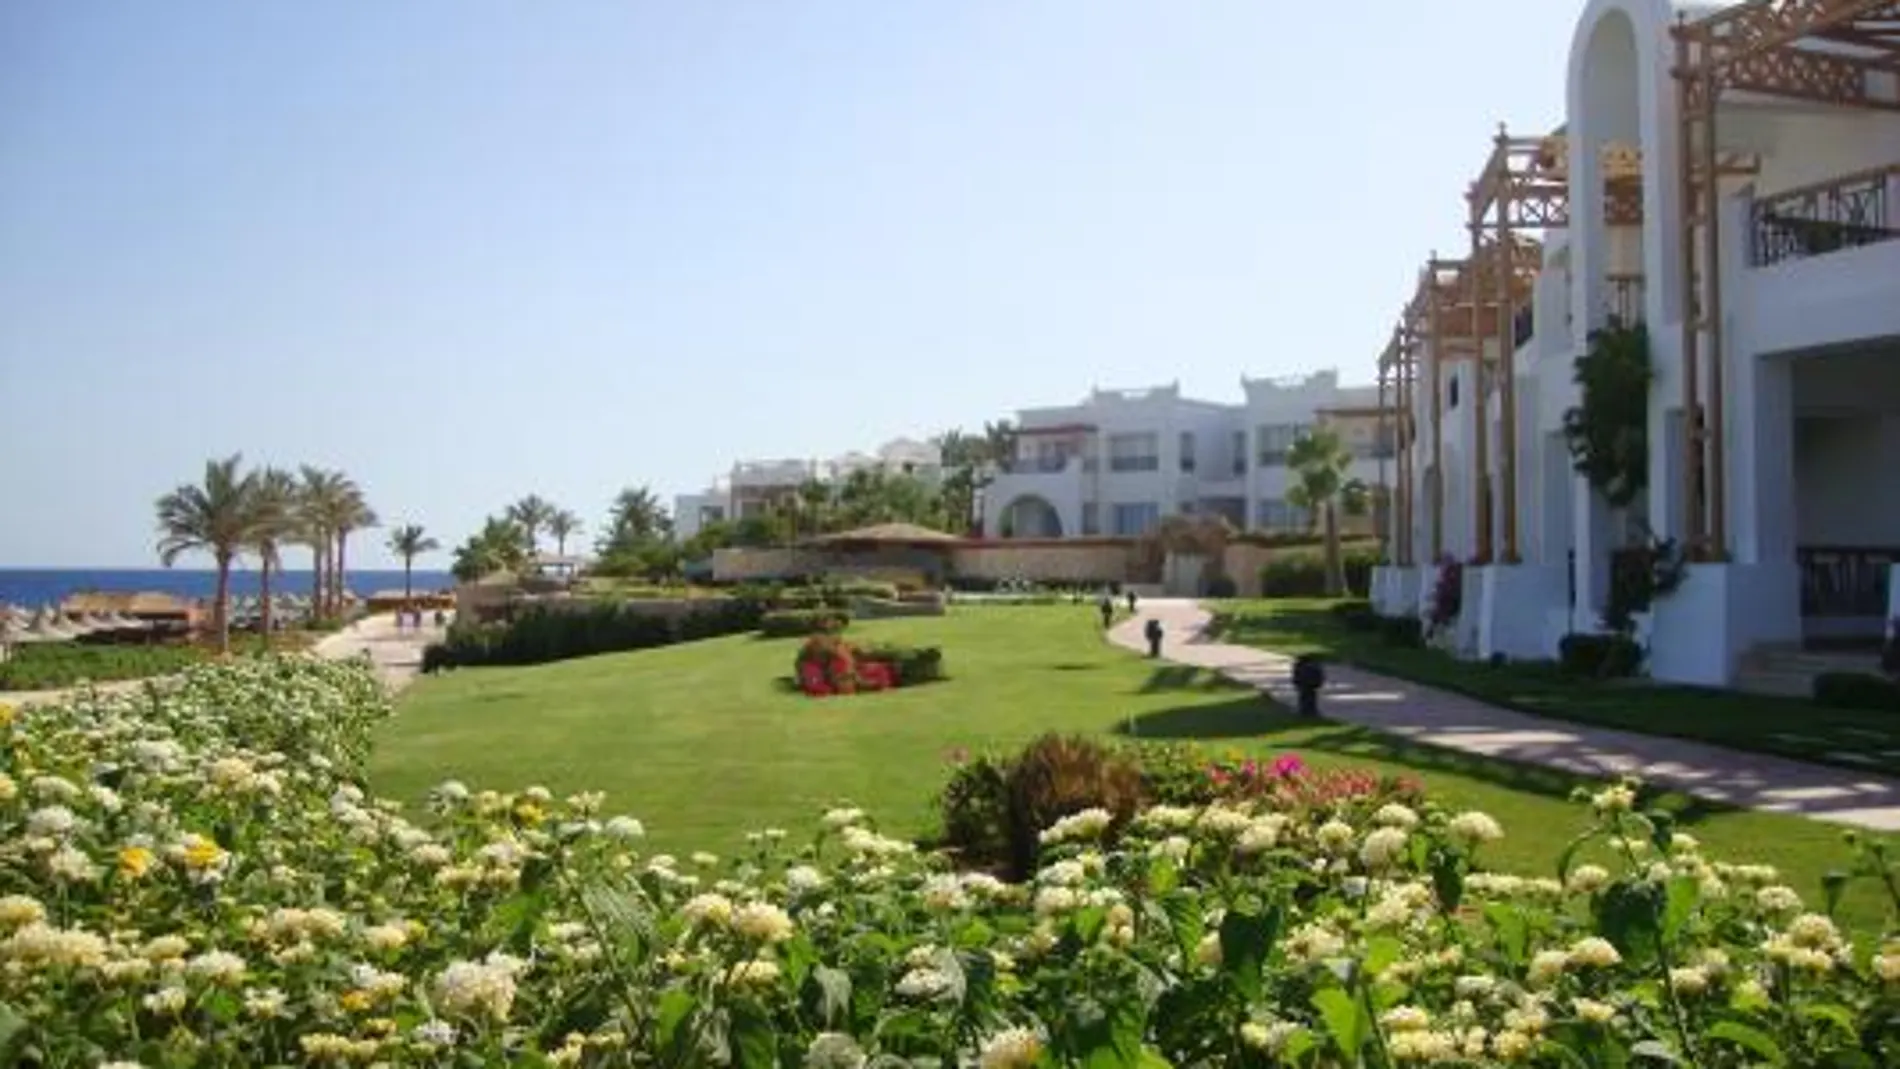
(199, 879)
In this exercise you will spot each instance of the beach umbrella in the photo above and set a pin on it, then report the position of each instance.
(72, 623)
(45, 627)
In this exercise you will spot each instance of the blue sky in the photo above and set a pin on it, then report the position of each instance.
(466, 250)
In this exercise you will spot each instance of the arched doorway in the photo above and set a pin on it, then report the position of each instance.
(1031, 516)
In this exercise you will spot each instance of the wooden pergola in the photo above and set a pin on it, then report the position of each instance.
(1835, 52)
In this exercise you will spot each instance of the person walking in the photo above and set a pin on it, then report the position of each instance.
(1107, 606)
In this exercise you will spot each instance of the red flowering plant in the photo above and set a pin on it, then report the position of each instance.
(1290, 783)
(828, 665)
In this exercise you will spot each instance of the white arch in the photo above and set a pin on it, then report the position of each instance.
(1048, 518)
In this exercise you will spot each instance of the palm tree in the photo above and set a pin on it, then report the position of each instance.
(318, 502)
(497, 547)
(409, 542)
(531, 514)
(562, 523)
(1319, 462)
(637, 516)
(352, 514)
(273, 520)
(813, 499)
(213, 517)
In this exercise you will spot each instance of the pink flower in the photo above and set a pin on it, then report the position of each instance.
(1288, 766)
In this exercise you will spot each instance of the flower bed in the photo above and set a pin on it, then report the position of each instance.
(198, 881)
(827, 665)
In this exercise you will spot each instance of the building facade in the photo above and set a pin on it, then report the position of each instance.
(755, 487)
(1731, 184)
(1119, 461)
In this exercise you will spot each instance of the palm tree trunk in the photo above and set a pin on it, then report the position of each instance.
(263, 588)
(221, 604)
(1335, 569)
(342, 538)
(408, 563)
(318, 550)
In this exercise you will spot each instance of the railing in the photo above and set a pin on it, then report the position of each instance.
(1843, 213)
(1038, 465)
(1623, 298)
(1839, 581)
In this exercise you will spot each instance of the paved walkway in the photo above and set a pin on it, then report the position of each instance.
(1453, 721)
(397, 656)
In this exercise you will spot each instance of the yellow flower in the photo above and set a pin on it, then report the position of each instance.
(529, 813)
(135, 861)
(356, 1001)
(6, 714)
(202, 853)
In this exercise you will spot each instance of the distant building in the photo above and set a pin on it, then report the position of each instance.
(1120, 460)
(754, 487)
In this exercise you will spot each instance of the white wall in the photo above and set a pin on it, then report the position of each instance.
(1845, 488)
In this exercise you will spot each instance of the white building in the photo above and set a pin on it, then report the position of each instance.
(753, 487)
(1734, 184)
(1119, 461)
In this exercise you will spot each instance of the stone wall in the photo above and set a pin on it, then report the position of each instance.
(1243, 563)
(1069, 561)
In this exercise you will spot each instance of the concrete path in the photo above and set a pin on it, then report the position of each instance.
(397, 654)
(1424, 714)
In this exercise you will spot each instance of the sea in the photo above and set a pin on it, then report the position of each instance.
(33, 587)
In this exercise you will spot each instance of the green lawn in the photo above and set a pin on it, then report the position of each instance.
(703, 742)
(1792, 727)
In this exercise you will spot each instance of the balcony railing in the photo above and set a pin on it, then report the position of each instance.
(1844, 213)
(1039, 465)
(1845, 581)
(1623, 298)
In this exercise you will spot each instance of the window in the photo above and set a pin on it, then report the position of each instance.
(1137, 518)
(1277, 438)
(1240, 452)
(1091, 518)
(1274, 514)
(1187, 451)
(1133, 452)
(1451, 392)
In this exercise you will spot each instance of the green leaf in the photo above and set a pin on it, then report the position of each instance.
(1832, 886)
(1569, 856)
(518, 916)
(1662, 829)
(1656, 1050)
(1185, 920)
(1113, 1040)
(752, 1041)
(675, 1008)
(1513, 931)
(1163, 876)
(1448, 879)
(799, 956)
(1835, 1014)
(1345, 1020)
(828, 996)
(13, 1034)
(1245, 939)
(1381, 951)
(1089, 923)
(1629, 916)
(1749, 1038)
(1684, 893)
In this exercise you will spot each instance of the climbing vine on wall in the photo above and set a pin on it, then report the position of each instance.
(1608, 434)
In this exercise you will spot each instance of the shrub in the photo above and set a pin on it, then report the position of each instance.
(974, 808)
(1890, 650)
(793, 623)
(1406, 631)
(1599, 656)
(1857, 690)
(1301, 572)
(1356, 614)
(53, 665)
(910, 665)
(542, 633)
(1448, 596)
(1058, 776)
(1222, 586)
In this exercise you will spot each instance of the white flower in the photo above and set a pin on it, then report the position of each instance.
(1778, 899)
(1088, 824)
(1405, 1019)
(714, 910)
(1167, 817)
(1382, 847)
(1174, 848)
(834, 1050)
(1475, 827)
(1689, 980)
(1063, 874)
(386, 936)
(55, 787)
(1394, 815)
(839, 819)
(1262, 834)
(1588, 879)
(625, 829)
(1546, 966)
(477, 989)
(1591, 1010)
(1617, 799)
(925, 983)
(71, 866)
(434, 1033)
(755, 973)
(55, 821)
(1012, 1048)
(1334, 836)
(18, 910)
(40, 944)
(762, 921)
(1054, 900)
(217, 967)
(1594, 951)
(803, 879)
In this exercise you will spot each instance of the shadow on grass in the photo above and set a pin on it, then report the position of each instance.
(1071, 666)
(1186, 677)
(1259, 718)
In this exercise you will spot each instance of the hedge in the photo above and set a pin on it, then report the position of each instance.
(793, 623)
(1857, 690)
(48, 666)
(543, 633)
(1301, 573)
(1599, 656)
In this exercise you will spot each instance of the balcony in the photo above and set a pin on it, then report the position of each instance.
(1845, 213)
(1037, 465)
(1623, 299)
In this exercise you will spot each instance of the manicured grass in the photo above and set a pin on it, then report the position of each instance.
(703, 742)
(1792, 727)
